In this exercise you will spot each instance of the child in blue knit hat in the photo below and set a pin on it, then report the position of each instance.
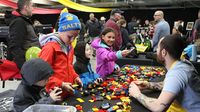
(58, 52)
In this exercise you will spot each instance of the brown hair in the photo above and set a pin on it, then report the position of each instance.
(106, 30)
(121, 22)
(174, 45)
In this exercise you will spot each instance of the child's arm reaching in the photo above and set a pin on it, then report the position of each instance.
(124, 53)
(54, 96)
(67, 87)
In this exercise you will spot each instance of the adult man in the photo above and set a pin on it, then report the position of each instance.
(93, 27)
(161, 29)
(179, 85)
(21, 33)
(115, 15)
(131, 25)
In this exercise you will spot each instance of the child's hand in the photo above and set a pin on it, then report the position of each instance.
(78, 81)
(98, 81)
(67, 87)
(117, 69)
(55, 94)
(125, 52)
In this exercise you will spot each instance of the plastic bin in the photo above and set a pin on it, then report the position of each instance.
(49, 108)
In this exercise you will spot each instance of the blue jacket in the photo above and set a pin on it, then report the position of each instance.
(88, 77)
(82, 65)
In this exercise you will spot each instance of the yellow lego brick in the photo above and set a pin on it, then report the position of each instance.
(80, 100)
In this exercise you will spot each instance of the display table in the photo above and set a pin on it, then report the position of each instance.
(87, 106)
(142, 60)
(117, 85)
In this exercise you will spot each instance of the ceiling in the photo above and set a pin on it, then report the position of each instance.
(125, 4)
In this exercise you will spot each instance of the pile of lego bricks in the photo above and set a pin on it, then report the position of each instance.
(111, 95)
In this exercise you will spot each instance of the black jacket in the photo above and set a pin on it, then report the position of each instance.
(94, 27)
(27, 93)
(131, 26)
(80, 66)
(125, 38)
(21, 37)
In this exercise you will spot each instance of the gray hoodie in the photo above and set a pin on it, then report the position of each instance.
(27, 93)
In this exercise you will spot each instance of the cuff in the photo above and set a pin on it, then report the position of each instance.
(119, 54)
(116, 66)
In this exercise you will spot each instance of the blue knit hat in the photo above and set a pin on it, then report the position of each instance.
(68, 22)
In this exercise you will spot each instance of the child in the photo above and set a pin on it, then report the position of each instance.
(82, 66)
(106, 57)
(35, 74)
(58, 52)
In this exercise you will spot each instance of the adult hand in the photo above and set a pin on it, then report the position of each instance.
(134, 90)
(55, 94)
(67, 87)
(142, 84)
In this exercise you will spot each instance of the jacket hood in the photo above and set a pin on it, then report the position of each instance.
(9, 16)
(97, 43)
(35, 70)
(79, 52)
(52, 37)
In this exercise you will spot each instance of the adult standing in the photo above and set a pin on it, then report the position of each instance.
(115, 15)
(126, 41)
(161, 29)
(21, 32)
(180, 83)
(93, 27)
(102, 22)
(131, 25)
(82, 31)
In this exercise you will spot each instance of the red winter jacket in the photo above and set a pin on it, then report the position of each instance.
(61, 64)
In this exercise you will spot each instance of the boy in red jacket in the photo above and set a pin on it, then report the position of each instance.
(58, 52)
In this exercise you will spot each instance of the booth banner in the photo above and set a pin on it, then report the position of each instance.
(46, 11)
(35, 10)
(9, 3)
(83, 8)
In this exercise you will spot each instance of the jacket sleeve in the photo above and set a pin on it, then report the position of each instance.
(125, 36)
(22, 99)
(17, 35)
(47, 54)
(45, 100)
(77, 69)
(71, 58)
(95, 76)
(156, 36)
(106, 55)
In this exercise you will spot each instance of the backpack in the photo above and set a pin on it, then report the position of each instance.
(194, 80)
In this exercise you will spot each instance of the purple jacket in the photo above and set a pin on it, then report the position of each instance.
(106, 58)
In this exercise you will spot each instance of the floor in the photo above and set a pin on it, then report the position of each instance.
(14, 83)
